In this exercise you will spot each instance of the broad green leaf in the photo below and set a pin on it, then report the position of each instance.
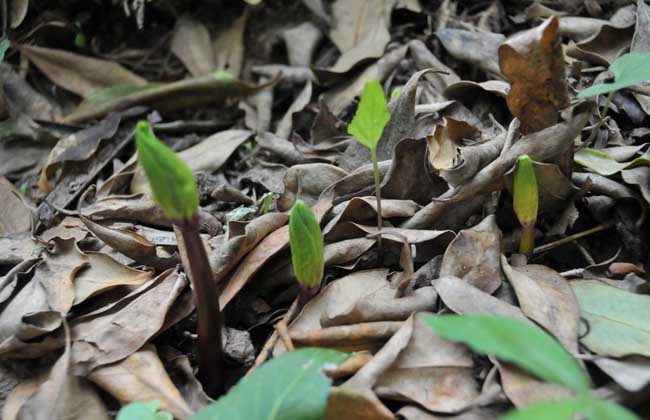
(569, 408)
(289, 387)
(371, 117)
(172, 183)
(140, 410)
(513, 341)
(603, 164)
(306, 241)
(629, 69)
(525, 196)
(4, 46)
(619, 321)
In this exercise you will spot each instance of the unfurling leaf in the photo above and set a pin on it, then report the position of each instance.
(4, 46)
(172, 183)
(629, 69)
(516, 342)
(525, 191)
(371, 117)
(306, 245)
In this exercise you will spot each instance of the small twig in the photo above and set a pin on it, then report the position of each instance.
(571, 238)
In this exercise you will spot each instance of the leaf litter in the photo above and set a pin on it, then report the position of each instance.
(95, 306)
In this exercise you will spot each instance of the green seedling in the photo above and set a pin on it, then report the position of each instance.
(174, 189)
(629, 69)
(367, 127)
(4, 46)
(534, 350)
(525, 203)
(307, 250)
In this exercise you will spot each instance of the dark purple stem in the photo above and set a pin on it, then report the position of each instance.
(206, 300)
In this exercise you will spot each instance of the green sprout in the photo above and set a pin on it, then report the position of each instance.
(367, 127)
(174, 189)
(4, 46)
(629, 69)
(307, 255)
(525, 202)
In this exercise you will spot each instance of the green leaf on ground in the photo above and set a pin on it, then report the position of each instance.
(172, 183)
(618, 320)
(514, 341)
(601, 163)
(289, 387)
(567, 409)
(629, 69)
(141, 410)
(4, 46)
(307, 245)
(371, 117)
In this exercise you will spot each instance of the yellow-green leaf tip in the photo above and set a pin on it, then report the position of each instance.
(173, 186)
(371, 117)
(307, 245)
(525, 200)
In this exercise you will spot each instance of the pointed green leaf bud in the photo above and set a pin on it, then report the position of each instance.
(371, 117)
(306, 245)
(172, 183)
(525, 191)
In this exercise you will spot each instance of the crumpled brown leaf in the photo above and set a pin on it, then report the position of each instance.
(533, 63)
(474, 256)
(78, 73)
(117, 330)
(141, 377)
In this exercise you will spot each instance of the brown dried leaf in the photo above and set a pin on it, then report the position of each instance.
(191, 44)
(347, 403)
(444, 141)
(78, 73)
(228, 46)
(547, 298)
(474, 256)
(118, 330)
(141, 377)
(64, 396)
(430, 371)
(533, 63)
(15, 216)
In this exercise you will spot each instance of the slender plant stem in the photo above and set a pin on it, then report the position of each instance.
(375, 169)
(210, 350)
(551, 245)
(527, 241)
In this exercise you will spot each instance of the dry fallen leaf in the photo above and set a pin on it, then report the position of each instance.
(533, 63)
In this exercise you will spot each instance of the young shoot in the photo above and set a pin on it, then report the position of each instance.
(174, 189)
(307, 255)
(367, 126)
(629, 69)
(525, 203)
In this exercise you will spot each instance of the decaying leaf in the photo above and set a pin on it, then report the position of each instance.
(77, 73)
(533, 63)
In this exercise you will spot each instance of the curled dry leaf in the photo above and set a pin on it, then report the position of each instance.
(430, 371)
(307, 182)
(77, 73)
(477, 48)
(195, 92)
(444, 140)
(117, 330)
(141, 377)
(191, 44)
(15, 216)
(63, 395)
(347, 403)
(533, 63)
(474, 256)
(546, 298)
